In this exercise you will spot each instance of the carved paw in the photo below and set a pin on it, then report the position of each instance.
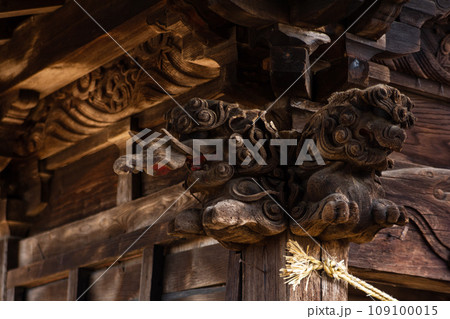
(338, 209)
(332, 210)
(387, 213)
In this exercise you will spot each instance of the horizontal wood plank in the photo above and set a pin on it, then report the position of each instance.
(390, 258)
(92, 255)
(28, 7)
(125, 218)
(201, 294)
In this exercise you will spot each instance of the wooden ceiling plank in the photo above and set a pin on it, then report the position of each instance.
(10, 9)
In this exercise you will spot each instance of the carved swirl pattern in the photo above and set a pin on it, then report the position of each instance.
(121, 88)
(355, 132)
(362, 127)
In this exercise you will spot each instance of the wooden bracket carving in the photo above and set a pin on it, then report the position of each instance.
(245, 201)
(433, 60)
(174, 58)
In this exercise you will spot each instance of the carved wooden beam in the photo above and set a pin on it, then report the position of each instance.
(175, 59)
(414, 52)
(70, 45)
(432, 61)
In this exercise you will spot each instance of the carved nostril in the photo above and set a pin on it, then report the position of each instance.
(397, 133)
(365, 134)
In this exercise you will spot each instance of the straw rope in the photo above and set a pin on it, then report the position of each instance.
(299, 265)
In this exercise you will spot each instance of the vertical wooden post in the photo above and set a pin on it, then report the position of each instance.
(3, 267)
(125, 181)
(15, 294)
(77, 283)
(9, 245)
(261, 264)
(234, 283)
(333, 290)
(146, 274)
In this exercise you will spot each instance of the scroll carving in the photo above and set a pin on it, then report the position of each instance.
(432, 61)
(118, 90)
(244, 201)
(429, 209)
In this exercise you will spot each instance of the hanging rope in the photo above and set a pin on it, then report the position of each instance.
(300, 266)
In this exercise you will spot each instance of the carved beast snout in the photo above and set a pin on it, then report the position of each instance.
(391, 137)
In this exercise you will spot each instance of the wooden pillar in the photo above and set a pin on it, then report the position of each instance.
(145, 287)
(77, 283)
(261, 264)
(8, 249)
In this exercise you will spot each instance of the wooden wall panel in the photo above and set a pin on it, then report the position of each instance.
(428, 141)
(120, 282)
(152, 184)
(81, 189)
(396, 253)
(54, 291)
(196, 268)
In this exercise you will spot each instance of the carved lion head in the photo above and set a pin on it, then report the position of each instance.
(362, 127)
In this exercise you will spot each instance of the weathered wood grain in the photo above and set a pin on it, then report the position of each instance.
(425, 87)
(151, 184)
(120, 282)
(77, 283)
(125, 218)
(88, 256)
(145, 285)
(196, 268)
(8, 260)
(80, 190)
(402, 258)
(234, 277)
(429, 207)
(332, 289)
(109, 136)
(54, 291)
(261, 271)
(428, 142)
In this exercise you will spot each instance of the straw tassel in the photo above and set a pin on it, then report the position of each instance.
(299, 265)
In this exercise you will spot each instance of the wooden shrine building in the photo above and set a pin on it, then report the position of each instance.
(365, 82)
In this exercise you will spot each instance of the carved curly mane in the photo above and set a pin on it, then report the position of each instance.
(361, 127)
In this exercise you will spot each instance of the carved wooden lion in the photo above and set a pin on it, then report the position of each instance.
(355, 133)
(248, 194)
